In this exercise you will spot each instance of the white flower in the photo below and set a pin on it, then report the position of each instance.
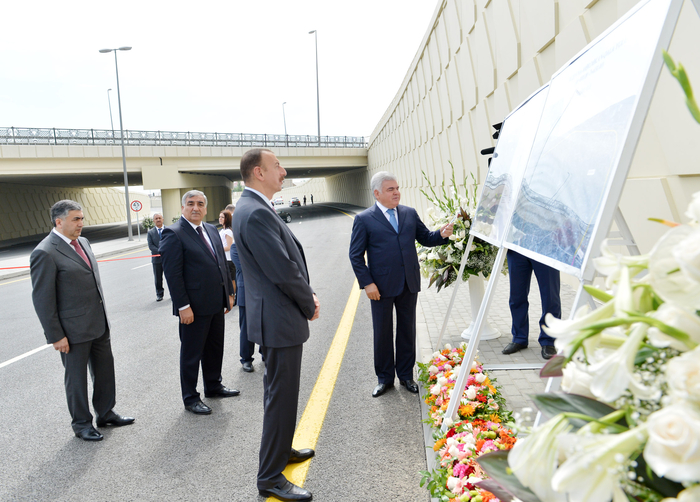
(435, 390)
(470, 393)
(575, 380)
(691, 494)
(459, 245)
(679, 318)
(612, 375)
(454, 484)
(693, 211)
(433, 370)
(448, 423)
(447, 367)
(433, 255)
(448, 346)
(590, 471)
(683, 376)
(665, 274)
(480, 377)
(673, 449)
(687, 254)
(533, 459)
(566, 331)
(442, 381)
(610, 264)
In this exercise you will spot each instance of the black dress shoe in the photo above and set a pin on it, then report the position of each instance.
(223, 392)
(513, 347)
(300, 455)
(115, 420)
(198, 408)
(549, 351)
(89, 434)
(288, 491)
(159, 298)
(248, 367)
(410, 385)
(381, 389)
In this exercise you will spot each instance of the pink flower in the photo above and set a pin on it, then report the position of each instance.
(459, 470)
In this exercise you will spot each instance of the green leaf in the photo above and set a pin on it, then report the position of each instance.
(553, 368)
(597, 293)
(554, 403)
(495, 464)
(665, 487)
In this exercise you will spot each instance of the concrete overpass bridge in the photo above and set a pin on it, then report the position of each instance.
(51, 163)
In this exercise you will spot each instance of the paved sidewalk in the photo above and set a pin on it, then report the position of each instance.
(8, 266)
(516, 384)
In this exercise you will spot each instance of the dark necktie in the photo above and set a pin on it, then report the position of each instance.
(206, 243)
(160, 233)
(80, 251)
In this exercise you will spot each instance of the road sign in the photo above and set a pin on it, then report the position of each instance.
(136, 205)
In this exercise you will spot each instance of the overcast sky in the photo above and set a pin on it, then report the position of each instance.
(210, 66)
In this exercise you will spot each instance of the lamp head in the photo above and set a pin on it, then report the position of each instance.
(125, 48)
(312, 31)
(104, 51)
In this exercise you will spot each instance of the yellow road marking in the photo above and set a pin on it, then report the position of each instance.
(309, 427)
(18, 280)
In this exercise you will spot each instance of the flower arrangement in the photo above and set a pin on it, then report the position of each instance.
(441, 263)
(627, 426)
(479, 429)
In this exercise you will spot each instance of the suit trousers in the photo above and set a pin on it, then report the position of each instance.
(158, 275)
(383, 324)
(201, 342)
(247, 348)
(520, 270)
(95, 355)
(281, 398)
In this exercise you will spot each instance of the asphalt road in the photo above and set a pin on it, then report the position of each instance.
(368, 449)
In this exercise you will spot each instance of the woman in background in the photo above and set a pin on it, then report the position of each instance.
(226, 235)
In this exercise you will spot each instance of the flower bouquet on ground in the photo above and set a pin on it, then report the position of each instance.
(441, 263)
(478, 430)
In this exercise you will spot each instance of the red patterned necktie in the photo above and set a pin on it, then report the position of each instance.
(200, 231)
(80, 251)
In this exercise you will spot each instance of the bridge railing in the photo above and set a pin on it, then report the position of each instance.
(58, 136)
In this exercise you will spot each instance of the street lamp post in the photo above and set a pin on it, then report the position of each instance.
(284, 117)
(109, 101)
(318, 107)
(121, 130)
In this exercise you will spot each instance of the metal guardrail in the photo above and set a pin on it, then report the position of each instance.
(57, 136)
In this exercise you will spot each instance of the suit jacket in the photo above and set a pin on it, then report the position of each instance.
(67, 294)
(392, 258)
(194, 277)
(240, 283)
(279, 299)
(153, 240)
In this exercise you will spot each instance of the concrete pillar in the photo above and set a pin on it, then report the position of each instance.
(218, 198)
(172, 204)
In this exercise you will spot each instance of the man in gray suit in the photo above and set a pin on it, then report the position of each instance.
(68, 298)
(153, 240)
(278, 292)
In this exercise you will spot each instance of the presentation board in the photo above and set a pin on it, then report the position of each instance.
(498, 197)
(581, 134)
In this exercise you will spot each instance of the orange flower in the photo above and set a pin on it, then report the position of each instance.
(479, 444)
(444, 406)
(466, 410)
(433, 409)
(495, 418)
(439, 444)
(492, 388)
(486, 496)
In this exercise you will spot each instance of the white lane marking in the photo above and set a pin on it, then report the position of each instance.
(141, 266)
(26, 354)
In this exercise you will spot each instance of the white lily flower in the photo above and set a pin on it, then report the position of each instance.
(613, 374)
(691, 494)
(623, 296)
(687, 254)
(576, 380)
(693, 211)
(677, 317)
(534, 458)
(673, 449)
(566, 330)
(610, 263)
(591, 469)
(666, 275)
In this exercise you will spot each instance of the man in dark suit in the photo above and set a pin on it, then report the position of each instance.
(279, 303)
(201, 290)
(153, 240)
(387, 232)
(68, 299)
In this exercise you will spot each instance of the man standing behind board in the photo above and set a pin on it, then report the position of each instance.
(68, 299)
(279, 304)
(388, 232)
(201, 290)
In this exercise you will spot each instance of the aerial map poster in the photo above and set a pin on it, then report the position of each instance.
(508, 164)
(581, 134)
